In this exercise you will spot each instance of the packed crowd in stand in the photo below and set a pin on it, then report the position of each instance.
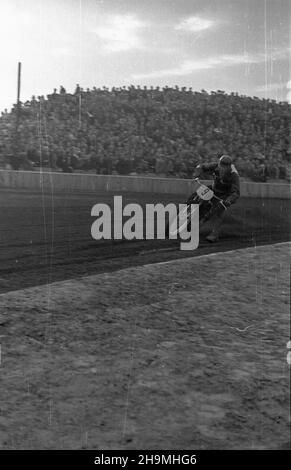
(133, 130)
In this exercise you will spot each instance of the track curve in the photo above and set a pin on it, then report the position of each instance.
(47, 237)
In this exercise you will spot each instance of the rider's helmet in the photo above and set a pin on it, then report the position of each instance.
(225, 160)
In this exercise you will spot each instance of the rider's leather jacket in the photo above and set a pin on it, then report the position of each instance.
(227, 189)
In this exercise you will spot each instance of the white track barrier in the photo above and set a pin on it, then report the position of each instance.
(73, 182)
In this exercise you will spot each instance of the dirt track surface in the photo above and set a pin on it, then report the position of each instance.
(183, 355)
(47, 237)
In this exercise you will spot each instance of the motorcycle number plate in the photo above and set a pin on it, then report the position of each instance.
(205, 193)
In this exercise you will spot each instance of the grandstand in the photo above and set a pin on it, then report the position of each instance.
(150, 131)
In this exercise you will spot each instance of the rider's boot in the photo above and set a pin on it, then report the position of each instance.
(213, 236)
(217, 222)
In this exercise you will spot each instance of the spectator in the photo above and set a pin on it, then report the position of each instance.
(167, 131)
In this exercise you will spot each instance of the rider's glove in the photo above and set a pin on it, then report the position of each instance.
(197, 171)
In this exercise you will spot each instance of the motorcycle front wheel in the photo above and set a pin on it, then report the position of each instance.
(182, 219)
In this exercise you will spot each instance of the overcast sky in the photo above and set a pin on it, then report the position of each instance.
(232, 45)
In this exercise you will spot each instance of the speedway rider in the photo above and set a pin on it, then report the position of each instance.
(226, 186)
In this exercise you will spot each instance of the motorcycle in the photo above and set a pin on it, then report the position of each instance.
(202, 197)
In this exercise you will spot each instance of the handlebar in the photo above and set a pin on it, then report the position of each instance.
(221, 201)
(197, 179)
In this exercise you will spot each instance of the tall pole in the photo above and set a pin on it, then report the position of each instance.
(16, 142)
(18, 82)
